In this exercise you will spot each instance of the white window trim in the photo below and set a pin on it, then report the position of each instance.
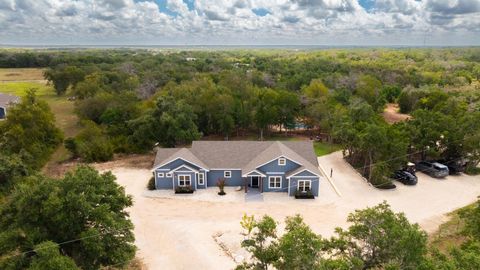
(282, 161)
(184, 180)
(304, 181)
(202, 178)
(160, 174)
(270, 182)
(229, 174)
(169, 174)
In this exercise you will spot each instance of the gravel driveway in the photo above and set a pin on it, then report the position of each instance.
(189, 233)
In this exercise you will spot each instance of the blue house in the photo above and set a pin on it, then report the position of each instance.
(271, 166)
(5, 102)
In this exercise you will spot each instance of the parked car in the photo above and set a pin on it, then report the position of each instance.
(454, 166)
(434, 169)
(405, 177)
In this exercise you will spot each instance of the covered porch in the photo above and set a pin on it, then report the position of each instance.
(253, 181)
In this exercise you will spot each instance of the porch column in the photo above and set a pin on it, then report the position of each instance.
(246, 184)
(261, 184)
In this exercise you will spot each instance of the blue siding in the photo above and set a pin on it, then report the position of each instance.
(2, 113)
(274, 167)
(163, 182)
(166, 182)
(305, 173)
(177, 163)
(294, 185)
(204, 180)
(235, 180)
(192, 178)
(183, 169)
(266, 187)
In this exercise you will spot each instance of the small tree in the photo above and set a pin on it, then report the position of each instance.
(221, 185)
(299, 247)
(262, 243)
(380, 238)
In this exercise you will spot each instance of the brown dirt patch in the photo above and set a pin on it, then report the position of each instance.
(392, 114)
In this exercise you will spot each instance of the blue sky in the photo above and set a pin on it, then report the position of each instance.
(240, 22)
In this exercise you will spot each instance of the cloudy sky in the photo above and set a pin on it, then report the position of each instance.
(240, 22)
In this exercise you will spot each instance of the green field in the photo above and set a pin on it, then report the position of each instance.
(322, 148)
(63, 110)
(61, 107)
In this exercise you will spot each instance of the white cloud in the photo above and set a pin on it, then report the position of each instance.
(331, 22)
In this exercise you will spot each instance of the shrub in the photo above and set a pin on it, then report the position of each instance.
(221, 185)
(186, 189)
(151, 183)
(472, 170)
(71, 146)
(92, 144)
(301, 194)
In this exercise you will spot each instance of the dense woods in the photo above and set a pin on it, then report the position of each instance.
(130, 100)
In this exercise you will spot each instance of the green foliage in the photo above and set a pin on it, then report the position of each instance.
(151, 183)
(12, 166)
(391, 92)
(371, 145)
(262, 243)
(48, 257)
(92, 145)
(30, 131)
(64, 76)
(265, 110)
(299, 247)
(84, 205)
(91, 85)
(71, 145)
(170, 123)
(380, 238)
(369, 88)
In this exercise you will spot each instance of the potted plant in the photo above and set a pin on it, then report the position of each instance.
(184, 190)
(221, 186)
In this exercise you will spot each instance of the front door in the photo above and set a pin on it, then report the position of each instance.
(254, 182)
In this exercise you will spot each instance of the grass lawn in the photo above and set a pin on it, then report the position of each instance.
(65, 117)
(61, 107)
(322, 148)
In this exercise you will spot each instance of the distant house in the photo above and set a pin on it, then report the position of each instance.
(268, 166)
(5, 102)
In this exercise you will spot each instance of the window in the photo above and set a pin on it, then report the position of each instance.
(275, 182)
(227, 174)
(282, 162)
(160, 174)
(169, 174)
(304, 185)
(200, 177)
(184, 180)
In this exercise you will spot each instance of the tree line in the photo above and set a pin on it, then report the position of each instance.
(130, 100)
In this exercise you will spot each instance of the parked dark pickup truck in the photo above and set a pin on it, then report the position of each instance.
(434, 169)
(454, 166)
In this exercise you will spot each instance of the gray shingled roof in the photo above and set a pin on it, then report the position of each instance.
(275, 150)
(6, 100)
(183, 153)
(245, 155)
